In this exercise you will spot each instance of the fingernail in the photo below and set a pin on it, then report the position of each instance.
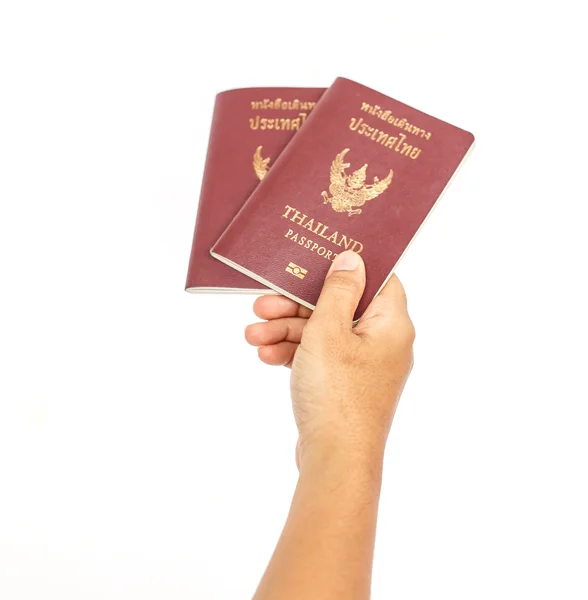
(346, 261)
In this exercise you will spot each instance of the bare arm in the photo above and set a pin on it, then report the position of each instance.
(346, 382)
(327, 544)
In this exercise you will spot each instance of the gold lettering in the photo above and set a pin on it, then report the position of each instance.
(285, 124)
(344, 241)
(254, 124)
(279, 104)
(320, 229)
(288, 209)
(333, 238)
(302, 217)
(396, 143)
(406, 149)
(388, 117)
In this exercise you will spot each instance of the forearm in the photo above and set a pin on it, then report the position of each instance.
(326, 547)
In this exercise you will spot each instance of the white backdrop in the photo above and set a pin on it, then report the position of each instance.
(144, 451)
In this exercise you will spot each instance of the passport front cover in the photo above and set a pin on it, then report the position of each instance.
(250, 127)
(362, 175)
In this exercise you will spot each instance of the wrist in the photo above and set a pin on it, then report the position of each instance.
(341, 462)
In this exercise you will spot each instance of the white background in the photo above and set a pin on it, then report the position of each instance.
(144, 451)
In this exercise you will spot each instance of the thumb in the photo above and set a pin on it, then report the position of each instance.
(341, 292)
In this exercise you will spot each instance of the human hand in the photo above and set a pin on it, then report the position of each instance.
(346, 381)
(278, 337)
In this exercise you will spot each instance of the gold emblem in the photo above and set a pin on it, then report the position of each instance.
(260, 164)
(296, 270)
(348, 191)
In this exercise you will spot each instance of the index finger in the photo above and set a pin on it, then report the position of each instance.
(390, 302)
(277, 307)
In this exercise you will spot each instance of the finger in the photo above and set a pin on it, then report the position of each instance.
(278, 330)
(276, 307)
(390, 302)
(387, 315)
(393, 294)
(281, 354)
(341, 293)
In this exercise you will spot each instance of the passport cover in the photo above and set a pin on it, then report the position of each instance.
(363, 174)
(250, 127)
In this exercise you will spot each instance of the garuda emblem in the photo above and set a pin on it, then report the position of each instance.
(349, 191)
(260, 164)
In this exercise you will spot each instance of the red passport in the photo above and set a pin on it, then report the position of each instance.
(250, 127)
(363, 174)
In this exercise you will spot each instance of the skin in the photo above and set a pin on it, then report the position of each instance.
(345, 385)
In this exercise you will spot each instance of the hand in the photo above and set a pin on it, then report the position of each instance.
(346, 381)
(279, 337)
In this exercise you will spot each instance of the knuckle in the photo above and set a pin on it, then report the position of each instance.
(410, 331)
(401, 333)
(406, 331)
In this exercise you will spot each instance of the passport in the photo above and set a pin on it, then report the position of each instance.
(363, 175)
(250, 128)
